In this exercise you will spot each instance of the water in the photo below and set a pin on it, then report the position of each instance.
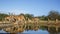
(36, 32)
(32, 30)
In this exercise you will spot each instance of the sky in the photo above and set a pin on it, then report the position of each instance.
(35, 7)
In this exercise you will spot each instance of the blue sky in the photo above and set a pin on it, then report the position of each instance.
(35, 7)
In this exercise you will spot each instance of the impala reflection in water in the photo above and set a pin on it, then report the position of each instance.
(31, 28)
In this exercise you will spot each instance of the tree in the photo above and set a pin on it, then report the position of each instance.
(59, 17)
(53, 15)
(29, 16)
(2, 16)
(43, 17)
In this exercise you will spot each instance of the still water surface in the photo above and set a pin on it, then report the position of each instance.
(41, 30)
(30, 32)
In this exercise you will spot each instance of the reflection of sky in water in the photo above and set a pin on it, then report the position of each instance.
(2, 31)
(30, 32)
(35, 32)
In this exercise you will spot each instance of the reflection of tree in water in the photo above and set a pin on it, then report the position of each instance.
(52, 30)
(43, 27)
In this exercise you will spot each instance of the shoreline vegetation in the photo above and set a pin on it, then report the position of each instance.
(12, 22)
(52, 16)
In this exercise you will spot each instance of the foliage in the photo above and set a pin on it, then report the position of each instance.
(2, 16)
(43, 17)
(30, 16)
(53, 15)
